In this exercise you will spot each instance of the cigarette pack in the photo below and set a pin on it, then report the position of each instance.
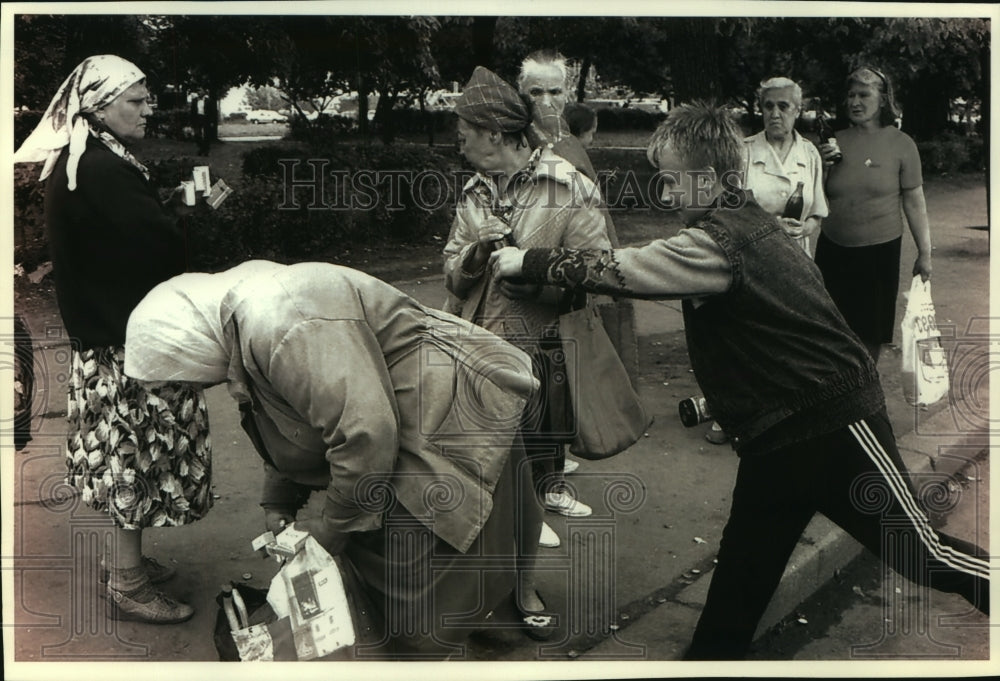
(261, 542)
(202, 183)
(187, 186)
(220, 190)
(288, 543)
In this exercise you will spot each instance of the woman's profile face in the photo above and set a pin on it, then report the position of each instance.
(474, 144)
(863, 103)
(126, 115)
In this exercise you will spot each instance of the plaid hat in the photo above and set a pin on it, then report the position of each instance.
(490, 102)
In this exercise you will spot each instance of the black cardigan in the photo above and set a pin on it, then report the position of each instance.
(111, 242)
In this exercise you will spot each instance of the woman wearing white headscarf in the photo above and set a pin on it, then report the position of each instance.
(404, 417)
(142, 456)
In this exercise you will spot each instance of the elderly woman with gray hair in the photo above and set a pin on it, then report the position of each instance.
(781, 164)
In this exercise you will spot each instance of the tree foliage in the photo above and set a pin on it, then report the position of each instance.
(932, 61)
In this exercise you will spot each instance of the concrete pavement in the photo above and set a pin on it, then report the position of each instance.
(630, 580)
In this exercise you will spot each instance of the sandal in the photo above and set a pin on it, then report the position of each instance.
(537, 625)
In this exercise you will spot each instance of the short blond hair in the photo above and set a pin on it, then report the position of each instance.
(703, 134)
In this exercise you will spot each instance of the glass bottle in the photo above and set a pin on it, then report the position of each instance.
(795, 204)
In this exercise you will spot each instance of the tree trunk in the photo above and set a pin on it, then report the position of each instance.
(427, 117)
(925, 107)
(694, 67)
(482, 40)
(581, 85)
(212, 115)
(363, 89)
(384, 121)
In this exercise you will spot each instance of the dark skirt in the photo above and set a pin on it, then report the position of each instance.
(429, 596)
(142, 455)
(864, 283)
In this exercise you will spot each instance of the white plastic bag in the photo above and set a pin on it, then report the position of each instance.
(925, 365)
(306, 615)
(310, 590)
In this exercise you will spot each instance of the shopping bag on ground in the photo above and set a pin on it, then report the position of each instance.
(305, 615)
(925, 364)
(609, 416)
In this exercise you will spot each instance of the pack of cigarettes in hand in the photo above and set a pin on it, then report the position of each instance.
(261, 543)
(188, 192)
(218, 193)
(288, 543)
(202, 183)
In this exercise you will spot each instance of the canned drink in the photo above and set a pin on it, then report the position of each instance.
(187, 186)
(693, 410)
(201, 180)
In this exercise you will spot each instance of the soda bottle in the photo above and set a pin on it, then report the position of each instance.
(795, 204)
(504, 241)
(825, 133)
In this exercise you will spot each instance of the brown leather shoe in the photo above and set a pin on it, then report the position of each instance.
(146, 604)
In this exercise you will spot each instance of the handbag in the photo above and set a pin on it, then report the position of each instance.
(609, 416)
(925, 364)
(618, 318)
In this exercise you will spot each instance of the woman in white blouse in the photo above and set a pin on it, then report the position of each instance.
(778, 158)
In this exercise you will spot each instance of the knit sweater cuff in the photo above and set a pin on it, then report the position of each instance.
(535, 266)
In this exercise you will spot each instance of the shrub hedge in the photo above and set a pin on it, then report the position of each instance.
(314, 204)
(360, 196)
(628, 118)
(409, 122)
(951, 152)
(24, 123)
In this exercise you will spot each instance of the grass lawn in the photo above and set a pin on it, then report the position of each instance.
(244, 129)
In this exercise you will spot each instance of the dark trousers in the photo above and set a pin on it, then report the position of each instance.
(855, 477)
(202, 134)
(547, 425)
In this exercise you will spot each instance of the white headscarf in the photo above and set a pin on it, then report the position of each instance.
(94, 84)
(177, 332)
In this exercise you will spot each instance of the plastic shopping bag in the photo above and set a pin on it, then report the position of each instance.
(925, 364)
(307, 614)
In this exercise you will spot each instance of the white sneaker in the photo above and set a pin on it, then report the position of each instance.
(570, 466)
(564, 504)
(549, 539)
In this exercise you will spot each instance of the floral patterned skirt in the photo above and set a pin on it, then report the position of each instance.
(142, 453)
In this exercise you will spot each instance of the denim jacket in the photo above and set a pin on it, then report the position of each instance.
(773, 356)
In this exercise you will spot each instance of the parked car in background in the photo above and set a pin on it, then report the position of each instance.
(265, 116)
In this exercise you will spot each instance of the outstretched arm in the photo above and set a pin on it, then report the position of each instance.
(687, 265)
